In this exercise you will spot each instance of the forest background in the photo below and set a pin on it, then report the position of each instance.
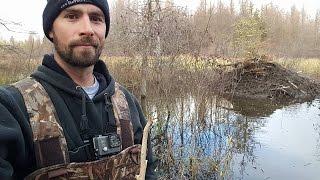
(236, 29)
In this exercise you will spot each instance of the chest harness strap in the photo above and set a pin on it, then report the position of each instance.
(49, 140)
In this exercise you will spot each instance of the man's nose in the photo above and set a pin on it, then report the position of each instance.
(86, 26)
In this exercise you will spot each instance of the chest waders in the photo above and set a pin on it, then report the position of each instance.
(50, 145)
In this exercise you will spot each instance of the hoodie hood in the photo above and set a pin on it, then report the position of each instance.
(52, 73)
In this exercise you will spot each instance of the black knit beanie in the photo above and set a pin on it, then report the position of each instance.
(54, 8)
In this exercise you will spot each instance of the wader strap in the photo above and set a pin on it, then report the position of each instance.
(49, 141)
(122, 116)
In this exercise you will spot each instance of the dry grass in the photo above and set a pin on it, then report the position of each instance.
(174, 76)
(309, 67)
(180, 74)
(15, 69)
(166, 78)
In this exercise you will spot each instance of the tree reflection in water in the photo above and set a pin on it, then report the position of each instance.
(197, 137)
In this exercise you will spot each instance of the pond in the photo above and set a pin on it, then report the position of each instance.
(209, 137)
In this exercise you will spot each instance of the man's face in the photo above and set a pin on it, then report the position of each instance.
(78, 34)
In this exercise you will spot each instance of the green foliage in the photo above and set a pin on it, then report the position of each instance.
(249, 35)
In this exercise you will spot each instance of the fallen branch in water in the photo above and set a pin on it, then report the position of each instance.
(143, 156)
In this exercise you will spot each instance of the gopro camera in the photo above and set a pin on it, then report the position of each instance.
(107, 145)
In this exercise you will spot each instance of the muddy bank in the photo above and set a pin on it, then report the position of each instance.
(263, 80)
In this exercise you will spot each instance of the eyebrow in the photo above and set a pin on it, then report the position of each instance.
(76, 10)
(71, 11)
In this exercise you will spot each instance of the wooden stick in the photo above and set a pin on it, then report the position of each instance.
(143, 155)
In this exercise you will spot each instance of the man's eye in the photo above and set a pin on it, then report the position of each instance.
(71, 16)
(96, 19)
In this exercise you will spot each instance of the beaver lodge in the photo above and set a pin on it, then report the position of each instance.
(267, 82)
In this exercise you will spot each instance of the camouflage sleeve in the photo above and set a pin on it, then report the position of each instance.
(15, 138)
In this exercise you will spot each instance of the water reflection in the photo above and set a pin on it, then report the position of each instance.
(254, 107)
(206, 137)
(200, 137)
(289, 145)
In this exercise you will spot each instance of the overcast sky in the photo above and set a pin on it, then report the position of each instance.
(29, 12)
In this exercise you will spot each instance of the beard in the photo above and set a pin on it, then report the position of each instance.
(76, 57)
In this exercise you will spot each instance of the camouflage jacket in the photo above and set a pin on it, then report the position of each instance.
(17, 157)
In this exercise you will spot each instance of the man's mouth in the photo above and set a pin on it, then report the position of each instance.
(85, 45)
(85, 42)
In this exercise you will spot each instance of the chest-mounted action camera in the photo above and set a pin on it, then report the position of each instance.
(107, 145)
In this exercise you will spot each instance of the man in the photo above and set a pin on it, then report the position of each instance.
(86, 109)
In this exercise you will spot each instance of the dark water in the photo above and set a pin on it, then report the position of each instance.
(212, 138)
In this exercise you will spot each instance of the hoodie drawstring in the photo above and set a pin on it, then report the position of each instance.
(84, 125)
